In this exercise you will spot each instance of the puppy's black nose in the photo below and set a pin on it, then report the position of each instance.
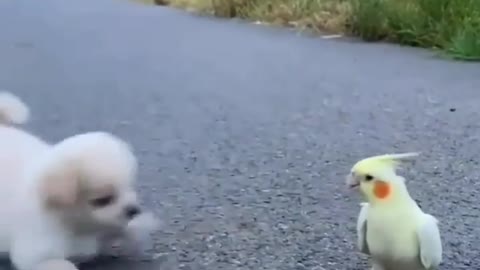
(132, 211)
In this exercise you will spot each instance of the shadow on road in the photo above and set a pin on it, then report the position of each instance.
(106, 263)
(120, 264)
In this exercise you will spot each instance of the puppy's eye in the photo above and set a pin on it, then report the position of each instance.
(368, 177)
(102, 201)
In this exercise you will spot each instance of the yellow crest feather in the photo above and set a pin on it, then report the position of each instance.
(382, 162)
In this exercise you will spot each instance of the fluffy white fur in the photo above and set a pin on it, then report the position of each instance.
(12, 109)
(65, 201)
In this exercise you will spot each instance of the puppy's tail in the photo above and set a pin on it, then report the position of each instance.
(12, 109)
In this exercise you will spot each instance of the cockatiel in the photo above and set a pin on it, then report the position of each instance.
(391, 227)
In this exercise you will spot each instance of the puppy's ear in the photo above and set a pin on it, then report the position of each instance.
(60, 186)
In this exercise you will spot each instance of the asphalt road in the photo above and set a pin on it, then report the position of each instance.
(244, 132)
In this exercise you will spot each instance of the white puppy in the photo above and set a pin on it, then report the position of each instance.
(63, 201)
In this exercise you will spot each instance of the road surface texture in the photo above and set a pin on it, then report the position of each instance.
(245, 133)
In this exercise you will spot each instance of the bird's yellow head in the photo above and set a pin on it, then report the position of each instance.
(376, 176)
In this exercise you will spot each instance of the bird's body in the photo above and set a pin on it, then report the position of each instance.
(391, 227)
(391, 236)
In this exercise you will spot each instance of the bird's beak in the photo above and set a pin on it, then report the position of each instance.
(352, 182)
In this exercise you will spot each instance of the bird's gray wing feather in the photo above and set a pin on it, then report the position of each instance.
(430, 243)
(362, 229)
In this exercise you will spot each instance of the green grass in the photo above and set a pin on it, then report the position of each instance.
(449, 26)
(452, 26)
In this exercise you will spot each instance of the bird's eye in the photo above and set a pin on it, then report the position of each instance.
(102, 201)
(368, 177)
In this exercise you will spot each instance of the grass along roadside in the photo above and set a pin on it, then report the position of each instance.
(450, 26)
(317, 15)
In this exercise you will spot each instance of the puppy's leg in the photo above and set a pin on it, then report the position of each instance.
(58, 264)
(51, 264)
(34, 251)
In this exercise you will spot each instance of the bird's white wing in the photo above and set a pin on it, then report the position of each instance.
(362, 229)
(430, 243)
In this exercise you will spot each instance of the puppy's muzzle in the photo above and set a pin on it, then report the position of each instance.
(132, 211)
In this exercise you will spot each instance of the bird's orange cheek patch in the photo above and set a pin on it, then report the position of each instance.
(381, 189)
